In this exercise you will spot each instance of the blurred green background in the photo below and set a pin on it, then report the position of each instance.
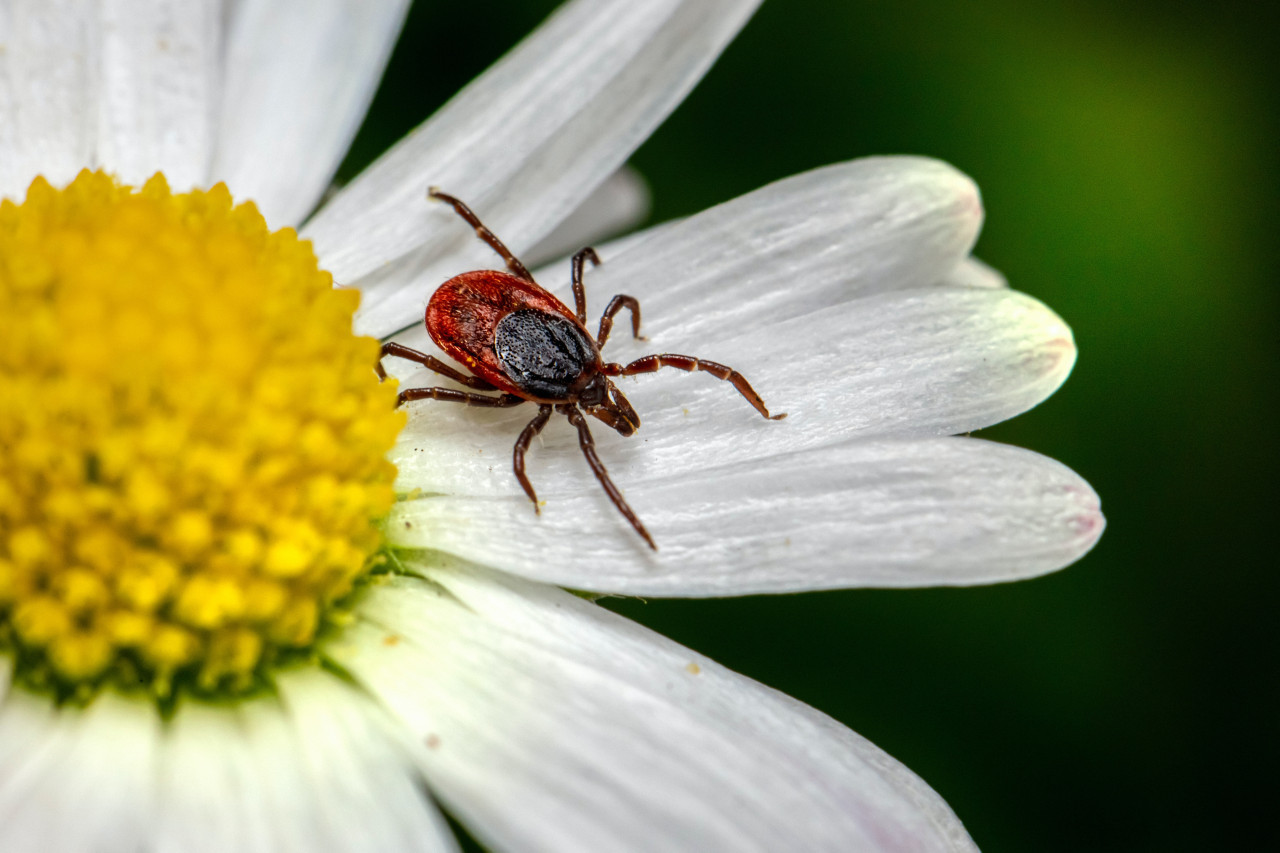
(1125, 153)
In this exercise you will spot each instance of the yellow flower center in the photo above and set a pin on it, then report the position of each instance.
(192, 442)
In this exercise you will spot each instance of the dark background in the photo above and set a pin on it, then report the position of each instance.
(1124, 150)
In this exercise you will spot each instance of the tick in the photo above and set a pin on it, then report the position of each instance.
(520, 340)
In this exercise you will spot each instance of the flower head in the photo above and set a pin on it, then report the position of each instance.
(196, 651)
(186, 496)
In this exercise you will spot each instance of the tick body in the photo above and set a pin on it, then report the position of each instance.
(520, 340)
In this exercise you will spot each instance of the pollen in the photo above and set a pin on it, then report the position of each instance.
(193, 443)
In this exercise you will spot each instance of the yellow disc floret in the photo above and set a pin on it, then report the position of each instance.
(192, 442)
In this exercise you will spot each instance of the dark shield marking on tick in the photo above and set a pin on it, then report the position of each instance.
(543, 354)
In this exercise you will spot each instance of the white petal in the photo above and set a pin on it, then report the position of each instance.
(77, 780)
(556, 725)
(31, 746)
(209, 795)
(299, 79)
(49, 71)
(930, 361)
(415, 334)
(160, 87)
(556, 272)
(240, 778)
(352, 759)
(616, 205)
(972, 272)
(524, 145)
(800, 244)
(281, 784)
(885, 514)
(26, 726)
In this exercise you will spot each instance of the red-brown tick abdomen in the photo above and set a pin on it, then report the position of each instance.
(464, 312)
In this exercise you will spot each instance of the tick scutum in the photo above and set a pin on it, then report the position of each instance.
(544, 354)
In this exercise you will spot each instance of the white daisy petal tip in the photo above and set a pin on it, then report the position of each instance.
(1087, 523)
(972, 272)
(918, 187)
(1040, 352)
(964, 196)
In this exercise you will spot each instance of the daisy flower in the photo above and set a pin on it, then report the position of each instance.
(241, 608)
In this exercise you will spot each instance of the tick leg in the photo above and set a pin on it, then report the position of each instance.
(513, 263)
(580, 295)
(402, 351)
(449, 395)
(588, 446)
(522, 444)
(616, 304)
(652, 363)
